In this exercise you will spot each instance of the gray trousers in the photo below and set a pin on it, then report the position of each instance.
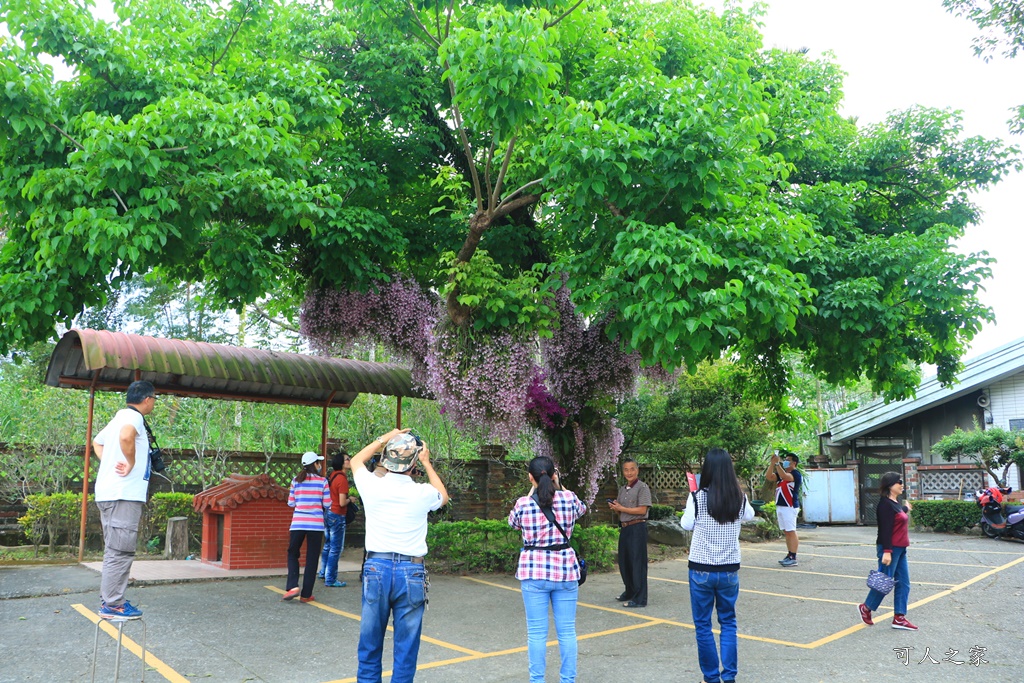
(120, 519)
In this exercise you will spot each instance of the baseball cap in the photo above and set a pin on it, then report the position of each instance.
(309, 457)
(401, 453)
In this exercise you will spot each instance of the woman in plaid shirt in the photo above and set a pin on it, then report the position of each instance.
(548, 571)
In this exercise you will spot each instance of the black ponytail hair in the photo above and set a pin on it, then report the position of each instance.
(541, 469)
(311, 468)
(723, 490)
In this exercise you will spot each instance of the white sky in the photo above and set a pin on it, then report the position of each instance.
(898, 53)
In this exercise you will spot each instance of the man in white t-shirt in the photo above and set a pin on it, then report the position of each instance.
(394, 578)
(122, 484)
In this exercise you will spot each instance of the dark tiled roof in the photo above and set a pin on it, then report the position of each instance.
(237, 489)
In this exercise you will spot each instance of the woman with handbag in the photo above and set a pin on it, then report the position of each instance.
(893, 539)
(548, 572)
(714, 513)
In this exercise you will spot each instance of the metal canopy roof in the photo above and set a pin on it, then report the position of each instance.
(978, 373)
(110, 361)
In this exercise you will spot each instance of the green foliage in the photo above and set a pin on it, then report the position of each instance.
(662, 511)
(991, 449)
(53, 517)
(494, 301)
(949, 516)
(160, 508)
(493, 546)
(706, 196)
(712, 407)
(770, 528)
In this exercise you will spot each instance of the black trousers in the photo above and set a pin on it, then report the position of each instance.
(314, 541)
(633, 561)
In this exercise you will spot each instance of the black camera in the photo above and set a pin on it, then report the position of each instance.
(156, 459)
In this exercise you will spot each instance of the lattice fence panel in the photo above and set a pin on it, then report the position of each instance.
(950, 481)
(662, 479)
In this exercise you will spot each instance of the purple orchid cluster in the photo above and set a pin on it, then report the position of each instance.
(482, 379)
(582, 363)
(542, 410)
(397, 314)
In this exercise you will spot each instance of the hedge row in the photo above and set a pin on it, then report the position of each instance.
(951, 516)
(491, 545)
(54, 518)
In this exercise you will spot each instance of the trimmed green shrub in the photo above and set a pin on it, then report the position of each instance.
(952, 516)
(491, 545)
(160, 508)
(52, 517)
(661, 512)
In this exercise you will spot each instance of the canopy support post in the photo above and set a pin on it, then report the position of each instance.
(323, 434)
(85, 473)
(398, 413)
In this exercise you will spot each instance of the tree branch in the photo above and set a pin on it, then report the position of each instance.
(517, 191)
(493, 199)
(467, 150)
(280, 323)
(506, 207)
(416, 18)
(213, 64)
(77, 144)
(487, 172)
(564, 15)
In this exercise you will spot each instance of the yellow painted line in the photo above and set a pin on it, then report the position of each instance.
(356, 617)
(510, 651)
(875, 559)
(150, 660)
(841, 576)
(651, 620)
(775, 595)
(919, 603)
(921, 545)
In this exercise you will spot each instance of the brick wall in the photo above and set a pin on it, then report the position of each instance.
(255, 535)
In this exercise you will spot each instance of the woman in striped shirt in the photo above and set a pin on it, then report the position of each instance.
(548, 571)
(309, 495)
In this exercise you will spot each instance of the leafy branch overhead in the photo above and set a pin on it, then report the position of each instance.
(693, 193)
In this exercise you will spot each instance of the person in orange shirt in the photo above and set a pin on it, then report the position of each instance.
(334, 540)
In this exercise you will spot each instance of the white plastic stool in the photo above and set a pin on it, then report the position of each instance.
(120, 621)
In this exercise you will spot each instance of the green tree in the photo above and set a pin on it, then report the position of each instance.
(1002, 26)
(676, 424)
(696, 195)
(994, 449)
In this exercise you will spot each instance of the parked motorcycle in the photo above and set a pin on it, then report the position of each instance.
(997, 520)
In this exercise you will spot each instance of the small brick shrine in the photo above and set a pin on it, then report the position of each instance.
(245, 523)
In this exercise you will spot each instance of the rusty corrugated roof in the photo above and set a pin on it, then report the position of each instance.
(187, 368)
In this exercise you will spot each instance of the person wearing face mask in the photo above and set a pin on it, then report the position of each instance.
(787, 500)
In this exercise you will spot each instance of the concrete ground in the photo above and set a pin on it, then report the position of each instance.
(798, 625)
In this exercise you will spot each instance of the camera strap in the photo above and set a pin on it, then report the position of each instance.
(149, 432)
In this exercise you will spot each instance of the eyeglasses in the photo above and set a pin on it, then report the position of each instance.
(153, 397)
(900, 482)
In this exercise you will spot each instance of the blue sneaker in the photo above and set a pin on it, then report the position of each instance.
(124, 611)
(789, 562)
(337, 584)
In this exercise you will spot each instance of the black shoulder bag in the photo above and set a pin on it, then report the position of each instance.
(549, 513)
(156, 456)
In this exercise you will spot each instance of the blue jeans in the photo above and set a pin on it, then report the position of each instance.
(717, 590)
(898, 570)
(561, 595)
(398, 588)
(334, 541)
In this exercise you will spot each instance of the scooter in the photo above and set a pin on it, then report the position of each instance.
(998, 521)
